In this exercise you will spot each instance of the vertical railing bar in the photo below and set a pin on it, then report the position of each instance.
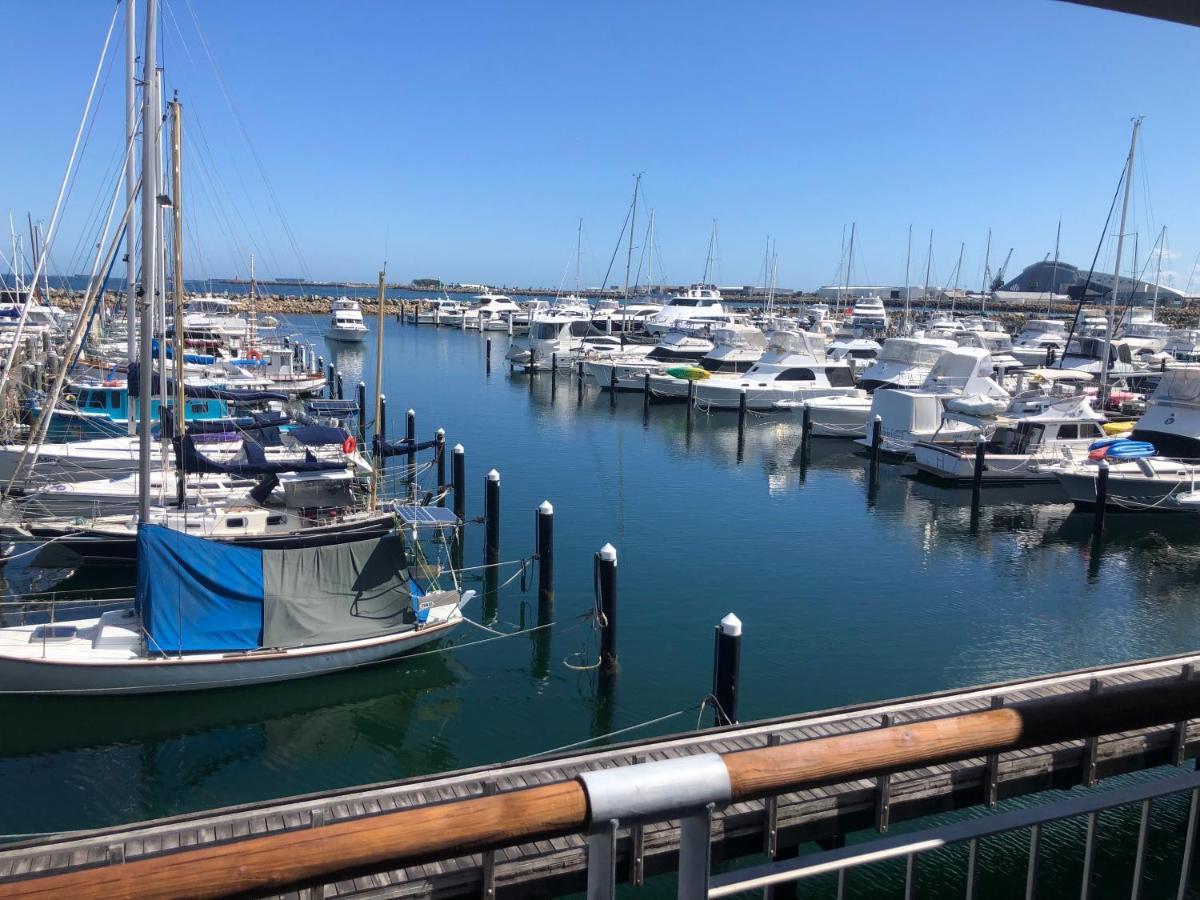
(1089, 853)
(972, 868)
(1031, 871)
(695, 853)
(1139, 859)
(993, 765)
(602, 862)
(488, 859)
(841, 883)
(1092, 744)
(883, 800)
(771, 830)
(1189, 844)
(910, 877)
(1179, 751)
(637, 844)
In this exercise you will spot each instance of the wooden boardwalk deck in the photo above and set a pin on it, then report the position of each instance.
(557, 865)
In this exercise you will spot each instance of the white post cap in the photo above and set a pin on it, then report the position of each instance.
(441, 432)
(412, 412)
(493, 475)
(546, 509)
(608, 553)
(731, 625)
(459, 448)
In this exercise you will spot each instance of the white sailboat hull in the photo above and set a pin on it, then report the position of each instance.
(94, 674)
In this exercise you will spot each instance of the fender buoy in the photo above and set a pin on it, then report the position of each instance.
(349, 445)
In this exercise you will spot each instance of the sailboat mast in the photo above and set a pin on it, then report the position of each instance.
(712, 240)
(1112, 298)
(650, 255)
(987, 264)
(957, 274)
(850, 256)
(1054, 271)
(578, 252)
(907, 283)
(377, 456)
(149, 256)
(130, 189)
(177, 235)
(1162, 243)
(637, 180)
(928, 264)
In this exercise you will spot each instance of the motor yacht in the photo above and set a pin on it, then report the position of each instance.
(869, 314)
(492, 312)
(698, 304)
(1040, 342)
(1050, 423)
(791, 370)
(960, 382)
(626, 369)
(345, 321)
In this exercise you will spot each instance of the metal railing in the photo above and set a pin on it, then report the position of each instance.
(909, 847)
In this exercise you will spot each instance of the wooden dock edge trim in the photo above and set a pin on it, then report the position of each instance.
(273, 863)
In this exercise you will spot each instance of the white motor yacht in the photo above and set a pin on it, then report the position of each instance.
(626, 370)
(560, 336)
(869, 314)
(1085, 354)
(699, 303)
(1144, 335)
(1165, 481)
(1039, 342)
(1041, 428)
(492, 312)
(346, 321)
(612, 317)
(791, 370)
(960, 382)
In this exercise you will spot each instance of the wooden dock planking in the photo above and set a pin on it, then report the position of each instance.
(737, 829)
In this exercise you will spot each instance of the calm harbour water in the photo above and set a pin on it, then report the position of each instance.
(843, 599)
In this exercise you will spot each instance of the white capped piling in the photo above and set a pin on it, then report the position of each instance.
(646, 398)
(439, 439)
(606, 565)
(727, 662)
(876, 446)
(487, 356)
(491, 517)
(977, 473)
(545, 556)
(458, 476)
(341, 387)
(691, 403)
(410, 438)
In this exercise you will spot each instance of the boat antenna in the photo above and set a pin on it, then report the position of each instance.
(907, 283)
(1162, 246)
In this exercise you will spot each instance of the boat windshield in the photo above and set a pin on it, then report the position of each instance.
(544, 331)
(910, 353)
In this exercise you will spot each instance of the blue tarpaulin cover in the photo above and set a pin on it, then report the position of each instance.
(197, 595)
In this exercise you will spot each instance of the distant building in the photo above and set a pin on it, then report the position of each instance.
(833, 292)
(1063, 279)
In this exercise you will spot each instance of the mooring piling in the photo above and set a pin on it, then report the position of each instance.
(1101, 500)
(691, 403)
(410, 438)
(606, 564)
(876, 446)
(805, 436)
(331, 381)
(741, 440)
(341, 386)
(612, 388)
(579, 383)
(646, 399)
(545, 556)
(491, 517)
(487, 356)
(439, 449)
(977, 474)
(727, 662)
(458, 476)
(553, 375)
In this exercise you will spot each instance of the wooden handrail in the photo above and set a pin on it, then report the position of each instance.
(292, 859)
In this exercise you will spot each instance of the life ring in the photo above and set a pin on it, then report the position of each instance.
(349, 445)
(112, 383)
(254, 354)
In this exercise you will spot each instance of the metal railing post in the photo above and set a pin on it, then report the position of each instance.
(695, 853)
(602, 862)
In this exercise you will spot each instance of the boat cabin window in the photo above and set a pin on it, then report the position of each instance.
(580, 328)
(862, 354)
(235, 522)
(1123, 353)
(796, 375)
(51, 633)
(840, 376)
(1068, 432)
(197, 408)
(276, 519)
(544, 331)
(662, 354)
(685, 301)
(95, 400)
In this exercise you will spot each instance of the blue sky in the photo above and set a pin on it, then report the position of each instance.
(467, 139)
